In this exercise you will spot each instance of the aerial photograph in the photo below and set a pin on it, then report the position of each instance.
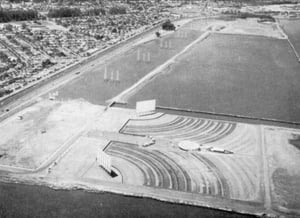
(149, 108)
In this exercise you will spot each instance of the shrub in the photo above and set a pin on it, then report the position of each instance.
(117, 10)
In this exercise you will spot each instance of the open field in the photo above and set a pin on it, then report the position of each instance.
(232, 74)
(292, 29)
(284, 162)
(249, 26)
(94, 89)
(35, 135)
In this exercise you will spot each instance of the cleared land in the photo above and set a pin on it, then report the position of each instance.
(249, 26)
(160, 170)
(283, 159)
(36, 136)
(232, 74)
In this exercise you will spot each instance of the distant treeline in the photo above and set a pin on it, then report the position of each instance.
(266, 17)
(95, 12)
(76, 12)
(279, 2)
(117, 10)
(64, 12)
(244, 15)
(17, 15)
(17, 1)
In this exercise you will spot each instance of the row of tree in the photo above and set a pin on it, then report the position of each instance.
(117, 10)
(64, 12)
(76, 12)
(95, 12)
(17, 15)
(264, 17)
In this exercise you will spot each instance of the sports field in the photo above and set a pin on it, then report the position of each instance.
(232, 74)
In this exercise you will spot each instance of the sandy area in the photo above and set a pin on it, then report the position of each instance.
(284, 171)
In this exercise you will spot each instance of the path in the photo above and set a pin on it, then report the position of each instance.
(266, 179)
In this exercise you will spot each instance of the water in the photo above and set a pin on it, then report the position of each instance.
(18, 200)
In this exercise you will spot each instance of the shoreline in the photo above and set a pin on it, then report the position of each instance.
(252, 208)
(106, 204)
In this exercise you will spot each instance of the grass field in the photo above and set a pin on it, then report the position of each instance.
(292, 29)
(232, 74)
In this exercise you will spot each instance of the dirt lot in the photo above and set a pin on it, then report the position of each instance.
(284, 162)
(28, 139)
(249, 26)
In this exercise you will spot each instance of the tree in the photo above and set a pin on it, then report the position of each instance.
(46, 63)
(17, 15)
(168, 25)
(24, 26)
(3, 210)
(117, 10)
(8, 27)
(64, 12)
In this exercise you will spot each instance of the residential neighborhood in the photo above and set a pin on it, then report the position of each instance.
(33, 50)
